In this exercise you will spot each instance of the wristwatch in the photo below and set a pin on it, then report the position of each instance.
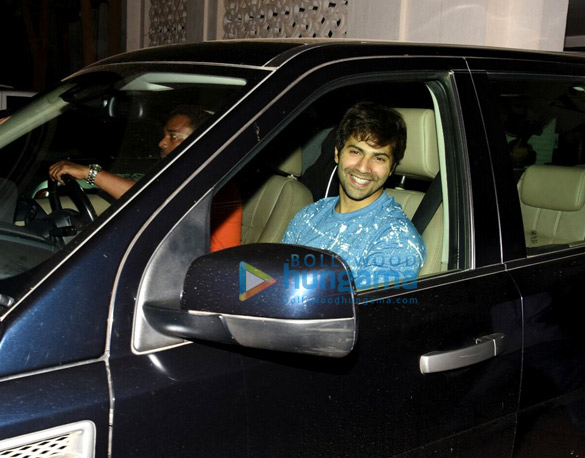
(94, 169)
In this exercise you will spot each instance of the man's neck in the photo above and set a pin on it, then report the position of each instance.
(346, 204)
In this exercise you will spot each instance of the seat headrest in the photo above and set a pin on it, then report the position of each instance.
(553, 187)
(421, 157)
(292, 164)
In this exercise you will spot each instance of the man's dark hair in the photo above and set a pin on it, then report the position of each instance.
(376, 124)
(195, 113)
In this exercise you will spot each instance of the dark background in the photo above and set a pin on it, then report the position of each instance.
(42, 41)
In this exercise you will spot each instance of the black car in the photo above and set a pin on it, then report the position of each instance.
(121, 334)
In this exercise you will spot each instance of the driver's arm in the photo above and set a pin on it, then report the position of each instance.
(114, 185)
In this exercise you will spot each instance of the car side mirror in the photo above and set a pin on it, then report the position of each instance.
(269, 296)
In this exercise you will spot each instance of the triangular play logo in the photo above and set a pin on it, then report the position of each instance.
(253, 280)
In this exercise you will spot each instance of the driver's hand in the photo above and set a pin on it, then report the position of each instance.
(79, 172)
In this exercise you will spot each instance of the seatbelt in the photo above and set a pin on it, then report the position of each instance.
(428, 205)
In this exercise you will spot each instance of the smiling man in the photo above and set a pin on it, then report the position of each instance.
(364, 225)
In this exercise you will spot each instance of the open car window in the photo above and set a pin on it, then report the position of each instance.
(302, 156)
(293, 168)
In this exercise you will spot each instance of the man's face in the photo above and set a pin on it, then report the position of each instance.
(177, 129)
(362, 169)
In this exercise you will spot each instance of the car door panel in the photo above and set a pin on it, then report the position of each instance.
(552, 412)
(186, 401)
(450, 317)
(553, 385)
(216, 400)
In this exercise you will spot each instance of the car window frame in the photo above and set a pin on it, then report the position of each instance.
(256, 128)
(513, 241)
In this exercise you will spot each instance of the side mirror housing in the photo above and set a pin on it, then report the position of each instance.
(269, 296)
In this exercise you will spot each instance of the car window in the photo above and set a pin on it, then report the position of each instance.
(112, 117)
(296, 168)
(292, 168)
(544, 124)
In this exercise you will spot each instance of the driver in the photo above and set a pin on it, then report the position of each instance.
(226, 211)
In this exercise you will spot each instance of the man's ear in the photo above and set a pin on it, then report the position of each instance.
(336, 156)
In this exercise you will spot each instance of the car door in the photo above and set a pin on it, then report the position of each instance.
(540, 104)
(407, 387)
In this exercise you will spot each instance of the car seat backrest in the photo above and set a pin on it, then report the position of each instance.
(268, 211)
(552, 200)
(421, 160)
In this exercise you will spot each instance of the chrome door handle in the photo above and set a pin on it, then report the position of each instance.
(485, 347)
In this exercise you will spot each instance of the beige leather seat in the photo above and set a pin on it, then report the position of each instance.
(421, 160)
(267, 213)
(552, 199)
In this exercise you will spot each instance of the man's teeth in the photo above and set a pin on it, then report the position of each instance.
(360, 180)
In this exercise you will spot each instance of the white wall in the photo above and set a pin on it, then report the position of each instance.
(137, 24)
(529, 24)
(532, 24)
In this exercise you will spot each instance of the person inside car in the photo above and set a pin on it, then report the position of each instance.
(364, 225)
(226, 211)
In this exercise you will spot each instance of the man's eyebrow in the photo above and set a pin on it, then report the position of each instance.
(375, 153)
(177, 131)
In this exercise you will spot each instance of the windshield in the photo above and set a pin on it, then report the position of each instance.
(116, 118)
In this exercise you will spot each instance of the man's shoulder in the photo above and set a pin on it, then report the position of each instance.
(319, 206)
(390, 208)
(392, 217)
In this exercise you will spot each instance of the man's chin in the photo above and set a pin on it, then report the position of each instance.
(361, 195)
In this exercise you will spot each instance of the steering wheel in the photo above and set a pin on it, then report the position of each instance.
(72, 189)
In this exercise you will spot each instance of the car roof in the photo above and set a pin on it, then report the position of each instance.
(275, 52)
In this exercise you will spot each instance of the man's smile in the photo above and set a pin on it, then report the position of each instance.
(360, 180)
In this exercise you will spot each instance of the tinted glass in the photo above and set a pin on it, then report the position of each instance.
(111, 118)
(544, 124)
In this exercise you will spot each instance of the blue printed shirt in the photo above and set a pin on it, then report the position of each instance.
(378, 242)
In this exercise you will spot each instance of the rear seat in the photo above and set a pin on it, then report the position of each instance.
(552, 199)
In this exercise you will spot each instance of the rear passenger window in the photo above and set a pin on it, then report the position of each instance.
(544, 122)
